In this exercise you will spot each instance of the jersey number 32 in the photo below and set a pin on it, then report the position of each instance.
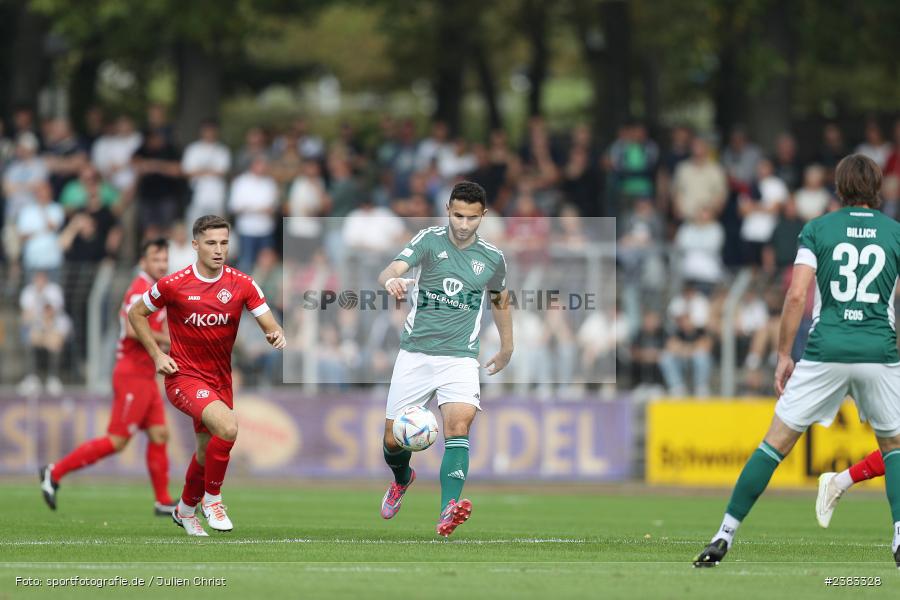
(853, 288)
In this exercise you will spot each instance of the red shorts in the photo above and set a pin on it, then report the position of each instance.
(191, 395)
(136, 405)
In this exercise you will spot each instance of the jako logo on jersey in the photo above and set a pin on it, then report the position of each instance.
(207, 320)
(203, 393)
(224, 296)
(452, 286)
(193, 297)
(478, 267)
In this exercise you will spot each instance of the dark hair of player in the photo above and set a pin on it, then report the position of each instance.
(156, 243)
(207, 222)
(858, 181)
(469, 191)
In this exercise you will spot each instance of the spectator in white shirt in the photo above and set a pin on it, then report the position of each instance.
(45, 328)
(455, 159)
(431, 147)
(112, 153)
(23, 176)
(206, 163)
(20, 182)
(372, 228)
(181, 252)
(38, 226)
(875, 146)
(700, 243)
(308, 201)
(813, 198)
(760, 211)
(254, 202)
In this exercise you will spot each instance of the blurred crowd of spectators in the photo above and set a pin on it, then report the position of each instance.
(690, 214)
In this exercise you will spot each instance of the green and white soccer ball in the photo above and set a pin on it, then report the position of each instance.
(415, 428)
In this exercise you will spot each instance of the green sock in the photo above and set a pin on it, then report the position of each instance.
(399, 463)
(454, 468)
(892, 482)
(753, 480)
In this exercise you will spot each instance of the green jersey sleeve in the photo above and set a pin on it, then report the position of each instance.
(497, 282)
(807, 238)
(415, 253)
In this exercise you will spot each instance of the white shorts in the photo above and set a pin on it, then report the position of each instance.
(816, 390)
(417, 377)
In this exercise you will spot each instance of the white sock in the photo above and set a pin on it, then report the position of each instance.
(896, 543)
(727, 529)
(184, 510)
(843, 480)
(209, 498)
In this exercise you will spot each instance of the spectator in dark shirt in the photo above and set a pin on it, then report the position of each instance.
(787, 164)
(646, 350)
(832, 151)
(160, 187)
(64, 156)
(581, 175)
(782, 248)
(91, 235)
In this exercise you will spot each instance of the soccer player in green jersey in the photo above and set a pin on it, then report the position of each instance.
(853, 256)
(458, 274)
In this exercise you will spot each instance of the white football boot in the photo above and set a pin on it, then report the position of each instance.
(827, 498)
(216, 516)
(191, 525)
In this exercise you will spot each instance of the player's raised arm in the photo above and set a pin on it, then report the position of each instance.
(137, 316)
(791, 315)
(503, 320)
(393, 281)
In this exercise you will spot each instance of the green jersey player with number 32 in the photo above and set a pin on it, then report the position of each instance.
(852, 256)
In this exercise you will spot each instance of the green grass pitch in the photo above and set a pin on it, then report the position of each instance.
(328, 541)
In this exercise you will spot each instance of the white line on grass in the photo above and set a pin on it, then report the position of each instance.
(182, 541)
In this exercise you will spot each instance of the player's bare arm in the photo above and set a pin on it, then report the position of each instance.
(791, 315)
(393, 281)
(274, 332)
(137, 316)
(161, 337)
(503, 319)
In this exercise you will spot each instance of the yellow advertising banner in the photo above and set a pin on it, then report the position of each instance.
(707, 442)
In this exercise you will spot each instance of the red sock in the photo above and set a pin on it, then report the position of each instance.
(158, 467)
(218, 451)
(86, 454)
(870, 467)
(193, 483)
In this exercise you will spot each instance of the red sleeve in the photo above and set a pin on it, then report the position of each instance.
(255, 300)
(891, 167)
(158, 295)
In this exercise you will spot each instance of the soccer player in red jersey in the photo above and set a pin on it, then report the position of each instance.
(833, 485)
(137, 403)
(204, 303)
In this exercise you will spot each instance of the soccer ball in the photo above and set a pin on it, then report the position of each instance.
(415, 428)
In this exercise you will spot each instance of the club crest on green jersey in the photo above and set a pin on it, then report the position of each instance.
(452, 286)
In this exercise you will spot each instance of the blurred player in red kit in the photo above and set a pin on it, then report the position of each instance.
(204, 303)
(137, 403)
